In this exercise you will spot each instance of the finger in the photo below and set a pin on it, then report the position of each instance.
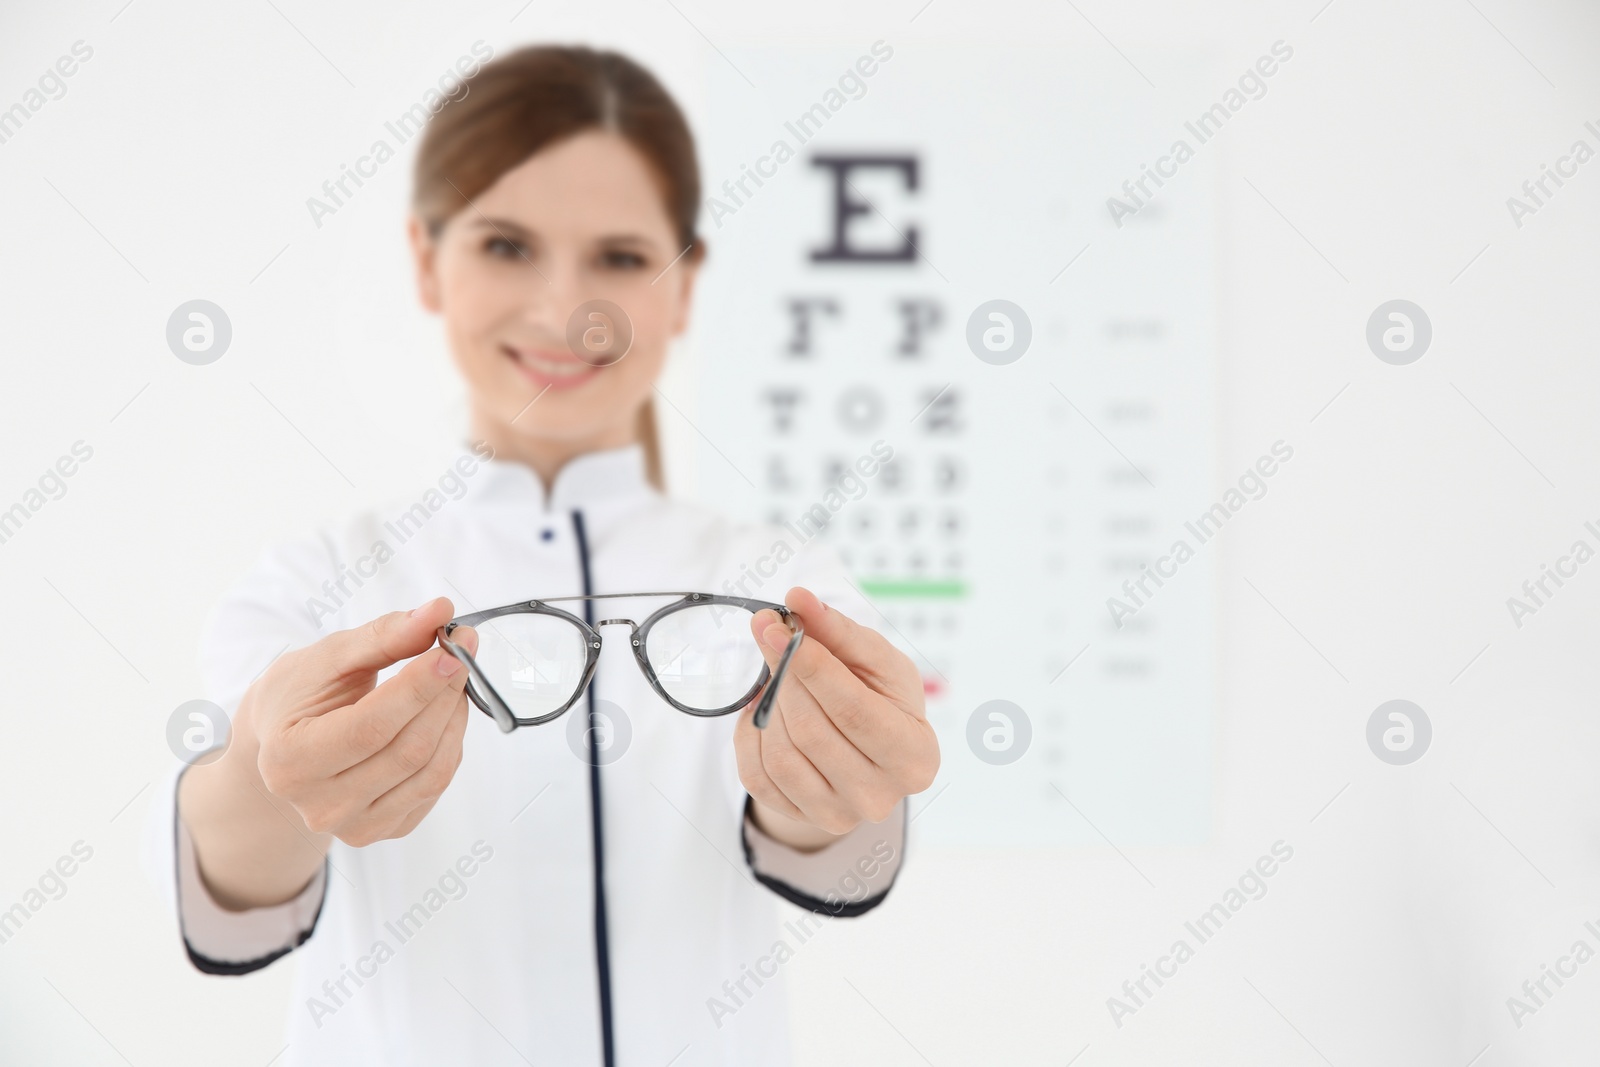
(344, 738)
(863, 786)
(393, 811)
(754, 777)
(411, 821)
(384, 641)
(866, 789)
(864, 716)
(798, 779)
(869, 655)
(413, 748)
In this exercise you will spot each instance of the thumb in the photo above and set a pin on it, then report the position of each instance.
(869, 655)
(834, 630)
(387, 639)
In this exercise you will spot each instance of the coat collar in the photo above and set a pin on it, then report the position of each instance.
(606, 475)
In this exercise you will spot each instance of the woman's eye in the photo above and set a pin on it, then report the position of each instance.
(618, 259)
(504, 248)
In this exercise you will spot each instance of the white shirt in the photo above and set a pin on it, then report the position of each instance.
(474, 939)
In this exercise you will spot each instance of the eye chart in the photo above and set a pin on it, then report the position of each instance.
(862, 203)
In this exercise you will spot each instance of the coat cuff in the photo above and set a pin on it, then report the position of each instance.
(220, 941)
(846, 878)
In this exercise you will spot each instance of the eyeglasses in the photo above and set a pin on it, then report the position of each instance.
(534, 661)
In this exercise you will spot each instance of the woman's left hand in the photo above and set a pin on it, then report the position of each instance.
(848, 738)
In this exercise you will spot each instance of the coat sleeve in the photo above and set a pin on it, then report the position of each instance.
(274, 607)
(853, 874)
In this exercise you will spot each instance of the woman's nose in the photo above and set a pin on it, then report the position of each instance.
(556, 289)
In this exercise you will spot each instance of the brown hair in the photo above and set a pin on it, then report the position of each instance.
(528, 100)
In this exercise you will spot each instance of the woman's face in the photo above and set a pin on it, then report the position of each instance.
(581, 220)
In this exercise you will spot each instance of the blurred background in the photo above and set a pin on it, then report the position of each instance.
(1306, 289)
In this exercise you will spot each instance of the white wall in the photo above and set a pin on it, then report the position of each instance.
(177, 165)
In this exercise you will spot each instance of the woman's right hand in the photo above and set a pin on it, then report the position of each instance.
(360, 761)
(319, 751)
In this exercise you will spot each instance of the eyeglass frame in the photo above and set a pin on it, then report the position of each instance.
(491, 703)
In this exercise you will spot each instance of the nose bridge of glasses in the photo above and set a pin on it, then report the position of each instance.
(632, 626)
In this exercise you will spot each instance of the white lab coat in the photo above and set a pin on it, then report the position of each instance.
(473, 940)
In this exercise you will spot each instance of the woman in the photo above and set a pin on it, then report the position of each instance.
(600, 889)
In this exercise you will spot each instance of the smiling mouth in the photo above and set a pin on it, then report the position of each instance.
(548, 369)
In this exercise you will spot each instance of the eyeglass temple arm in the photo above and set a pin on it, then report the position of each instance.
(497, 708)
(764, 707)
